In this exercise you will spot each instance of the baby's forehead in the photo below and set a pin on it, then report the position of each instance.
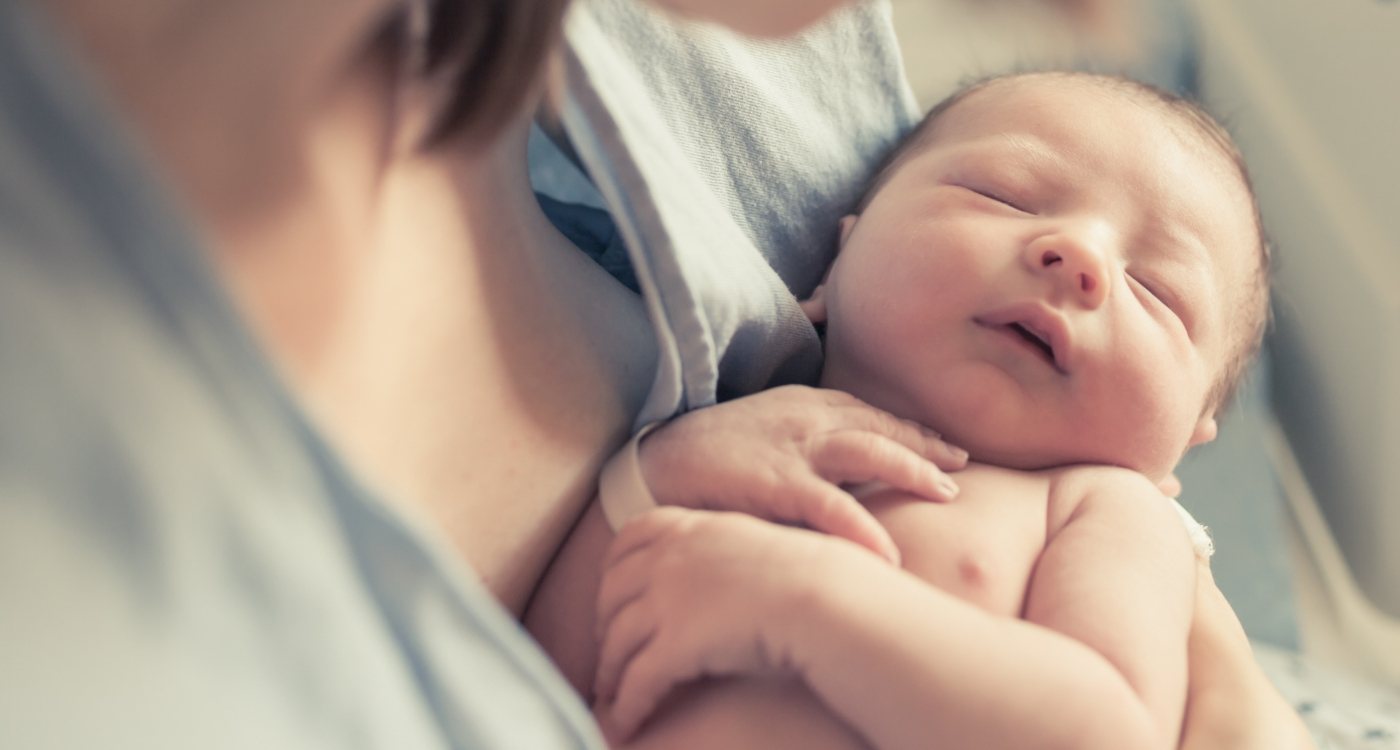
(1054, 104)
(1087, 135)
(1073, 108)
(1099, 127)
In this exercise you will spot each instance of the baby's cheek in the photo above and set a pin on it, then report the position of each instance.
(885, 330)
(1153, 423)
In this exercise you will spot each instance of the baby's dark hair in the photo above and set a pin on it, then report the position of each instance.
(1253, 311)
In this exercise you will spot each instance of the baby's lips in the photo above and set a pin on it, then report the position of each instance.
(1044, 322)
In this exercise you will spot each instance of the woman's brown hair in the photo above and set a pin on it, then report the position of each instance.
(491, 52)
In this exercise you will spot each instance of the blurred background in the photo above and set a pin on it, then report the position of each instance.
(1300, 490)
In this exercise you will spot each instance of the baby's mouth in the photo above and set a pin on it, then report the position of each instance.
(1036, 339)
(1040, 331)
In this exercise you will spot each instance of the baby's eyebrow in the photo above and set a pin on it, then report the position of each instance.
(1181, 236)
(1017, 159)
(1183, 260)
(1035, 151)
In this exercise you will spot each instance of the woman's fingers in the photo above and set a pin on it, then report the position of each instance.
(853, 456)
(948, 457)
(824, 507)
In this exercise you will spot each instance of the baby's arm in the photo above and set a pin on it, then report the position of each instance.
(897, 659)
(1231, 704)
(1098, 661)
(1118, 575)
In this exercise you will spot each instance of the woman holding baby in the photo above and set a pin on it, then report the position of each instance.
(260, 257)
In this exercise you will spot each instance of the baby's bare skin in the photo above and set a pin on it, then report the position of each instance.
(981, 548)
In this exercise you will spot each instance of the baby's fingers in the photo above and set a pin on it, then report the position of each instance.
(853, 456)
(625, 580)
(644, 530)
(646, 680)
(910, 434)
(627, 634)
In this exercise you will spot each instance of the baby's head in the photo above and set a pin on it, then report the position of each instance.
(1055, 268)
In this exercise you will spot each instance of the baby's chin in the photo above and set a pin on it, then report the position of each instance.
(979, 409)
(1002, 447)
(996, 431)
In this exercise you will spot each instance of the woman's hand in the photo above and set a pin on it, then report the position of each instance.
(688, 594)
(1231, 705)
(785, 454)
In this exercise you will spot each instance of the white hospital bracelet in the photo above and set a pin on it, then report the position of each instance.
(622, 489)
(1200, 535)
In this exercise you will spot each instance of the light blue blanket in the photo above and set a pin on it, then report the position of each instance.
(726, 162)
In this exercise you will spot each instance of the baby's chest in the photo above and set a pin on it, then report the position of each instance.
(983, 546)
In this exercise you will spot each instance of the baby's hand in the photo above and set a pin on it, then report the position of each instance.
(689, 594)
(784, 453)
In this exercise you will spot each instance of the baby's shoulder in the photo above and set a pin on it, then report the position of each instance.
(1070, 488)
(1085, 478)
(986, 482)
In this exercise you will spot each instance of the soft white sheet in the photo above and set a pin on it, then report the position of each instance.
(1342, 711)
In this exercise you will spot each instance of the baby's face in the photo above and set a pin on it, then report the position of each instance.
(1056, 279)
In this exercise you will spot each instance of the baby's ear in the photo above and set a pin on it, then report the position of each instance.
(1206, 430)
(815, 305)
(847, 223)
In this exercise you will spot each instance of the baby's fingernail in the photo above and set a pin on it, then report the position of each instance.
(948, 487)
(957, 453)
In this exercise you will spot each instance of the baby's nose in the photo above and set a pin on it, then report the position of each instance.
(1076, 263)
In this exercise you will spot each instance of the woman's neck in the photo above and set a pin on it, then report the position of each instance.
(274, 122)
(466, 359)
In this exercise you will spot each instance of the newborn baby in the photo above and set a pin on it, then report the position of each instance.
(1065, 275)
